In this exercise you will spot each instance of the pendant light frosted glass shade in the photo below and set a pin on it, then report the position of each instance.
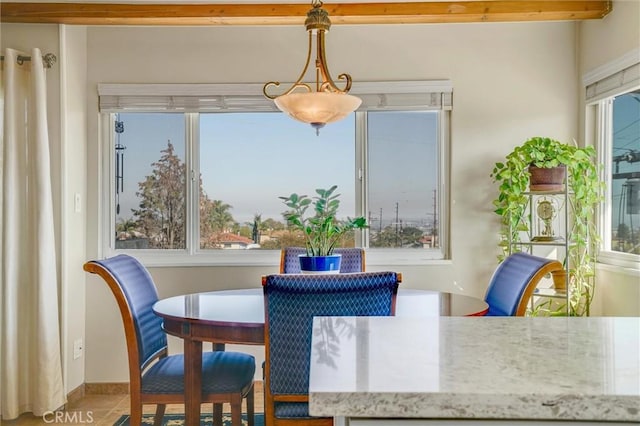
(318, 108)
(328, 102)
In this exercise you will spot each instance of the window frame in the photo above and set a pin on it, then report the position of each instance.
(601, 115)
(601, 86)
(192, 255)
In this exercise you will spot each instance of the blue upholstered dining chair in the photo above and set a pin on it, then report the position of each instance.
(291, 302)
(352, 259)
(514, 281)
(156, 377)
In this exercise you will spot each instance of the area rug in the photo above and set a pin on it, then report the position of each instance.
(178, 420)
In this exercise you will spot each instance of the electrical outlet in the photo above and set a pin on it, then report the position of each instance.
(77, 348)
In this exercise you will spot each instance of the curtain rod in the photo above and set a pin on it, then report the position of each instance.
(49, 59)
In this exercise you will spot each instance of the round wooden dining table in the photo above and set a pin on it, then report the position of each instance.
(237, 317)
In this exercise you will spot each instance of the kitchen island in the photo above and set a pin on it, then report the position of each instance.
(370, 370)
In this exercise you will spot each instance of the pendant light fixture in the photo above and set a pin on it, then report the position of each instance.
(327, 103)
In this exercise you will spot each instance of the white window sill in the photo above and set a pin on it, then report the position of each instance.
(628, 264)
(374, 257)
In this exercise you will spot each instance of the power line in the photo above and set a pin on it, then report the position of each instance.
(627, 126)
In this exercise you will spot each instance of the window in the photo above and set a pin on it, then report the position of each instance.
(248, 160)
(403, 159)
(613, 112)
(197, 177)
(625, 174)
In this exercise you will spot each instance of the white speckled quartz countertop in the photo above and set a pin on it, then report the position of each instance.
(585, 369)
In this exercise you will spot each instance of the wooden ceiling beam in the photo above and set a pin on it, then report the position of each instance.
(294, 14)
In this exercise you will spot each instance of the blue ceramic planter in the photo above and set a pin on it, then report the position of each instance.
(320, 264)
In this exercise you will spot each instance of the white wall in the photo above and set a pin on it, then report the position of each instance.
(73, 122)
(603, 42)
(509, 85)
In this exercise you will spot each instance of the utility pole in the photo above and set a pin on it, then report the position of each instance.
(397, 208)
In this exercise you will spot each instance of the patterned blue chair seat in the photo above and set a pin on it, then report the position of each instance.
(513, 282)
(291, 302)
(353, 259)
(154, 376)
(222, 372)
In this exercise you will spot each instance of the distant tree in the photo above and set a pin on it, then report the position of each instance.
(218, 217)
(292, 239)
(126, 225)
(206, 231)
(235, 227)
(623, 231)
(258, 227)
(161, 215)
(254, 227)
(385, 238)
(272, 225)
(391, 236)
(622, 236)
(411, 236)
(215, 219)
(126, 229)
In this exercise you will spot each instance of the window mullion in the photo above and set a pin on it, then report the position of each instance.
(361, 176)
(193, 172)
(604, 131)
(108, 185)
(444, 179)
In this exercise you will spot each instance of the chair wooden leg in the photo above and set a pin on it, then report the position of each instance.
(250, 407)
(217, 414)
(269, 417)
(236, 410)
(136, 411)
(157, 419)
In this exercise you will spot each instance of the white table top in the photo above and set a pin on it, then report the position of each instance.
(478, 368)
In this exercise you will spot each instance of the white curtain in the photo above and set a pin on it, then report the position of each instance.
(30, 360)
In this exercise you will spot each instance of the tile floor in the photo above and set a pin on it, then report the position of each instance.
(104, 410)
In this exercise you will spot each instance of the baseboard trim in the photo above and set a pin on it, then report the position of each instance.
(76, 394)
(107, 388)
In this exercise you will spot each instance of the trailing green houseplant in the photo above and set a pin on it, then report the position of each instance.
(584, 194)
(322, 231)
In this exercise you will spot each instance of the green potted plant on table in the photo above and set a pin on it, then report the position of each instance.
(584, 192)
(322, 231)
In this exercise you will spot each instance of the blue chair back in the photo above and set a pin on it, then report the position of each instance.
(353, 259)
(136, 293)
(513, 282)
(291, 302)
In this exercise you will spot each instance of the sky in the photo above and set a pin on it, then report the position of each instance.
(249, 160)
